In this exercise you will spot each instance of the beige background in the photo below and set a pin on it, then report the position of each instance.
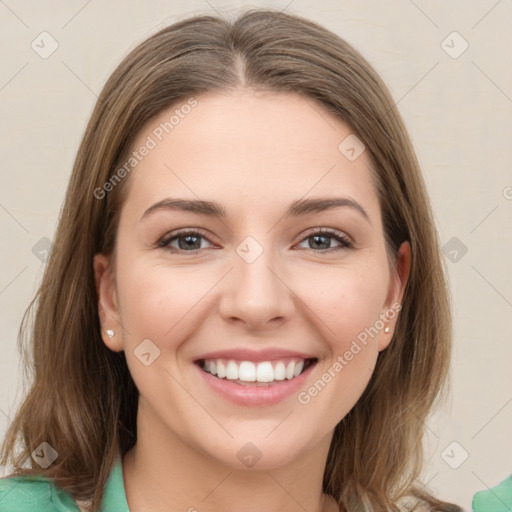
(459, 114)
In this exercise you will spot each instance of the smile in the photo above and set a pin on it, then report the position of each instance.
(251, 383)
(250, 373)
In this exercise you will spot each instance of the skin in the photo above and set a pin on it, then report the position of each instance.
(254, 153)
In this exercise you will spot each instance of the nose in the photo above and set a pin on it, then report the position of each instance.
(257, 293)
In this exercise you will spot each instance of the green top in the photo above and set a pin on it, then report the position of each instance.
(496, 499)
(38, 493)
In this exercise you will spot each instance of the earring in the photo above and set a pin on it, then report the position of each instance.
(109, 333)
(386, 329)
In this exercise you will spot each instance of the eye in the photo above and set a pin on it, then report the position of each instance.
(188, 240)
(321, 237)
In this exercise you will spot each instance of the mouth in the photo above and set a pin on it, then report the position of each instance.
(256, 374)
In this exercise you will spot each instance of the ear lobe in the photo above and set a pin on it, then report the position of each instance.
(107, 302)
(399, 278)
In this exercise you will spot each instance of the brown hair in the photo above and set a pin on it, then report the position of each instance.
(83, 401)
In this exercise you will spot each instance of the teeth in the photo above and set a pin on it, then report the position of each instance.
(289, 370)
(265, 372)
(221, 370)
(298, 368)
(279, 371)
(232, 371)
(247, 371)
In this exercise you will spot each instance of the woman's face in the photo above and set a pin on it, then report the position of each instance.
(263, 285)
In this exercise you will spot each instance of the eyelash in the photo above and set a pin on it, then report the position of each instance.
(331, 233)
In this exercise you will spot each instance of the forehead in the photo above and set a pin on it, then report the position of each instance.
(247, 150)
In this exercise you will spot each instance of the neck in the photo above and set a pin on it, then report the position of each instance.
(165, 473)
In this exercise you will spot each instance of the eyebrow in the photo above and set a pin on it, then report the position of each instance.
(296, 208)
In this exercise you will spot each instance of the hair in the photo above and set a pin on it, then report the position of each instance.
(83, 401)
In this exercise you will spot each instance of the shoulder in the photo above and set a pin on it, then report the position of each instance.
(31, 493)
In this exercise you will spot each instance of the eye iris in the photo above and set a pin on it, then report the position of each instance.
(324, 237)
(188, 238)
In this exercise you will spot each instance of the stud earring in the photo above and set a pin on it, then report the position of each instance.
(110, 333)
(386, 329)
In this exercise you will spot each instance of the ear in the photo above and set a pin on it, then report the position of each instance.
(398, 282)
(107, 302)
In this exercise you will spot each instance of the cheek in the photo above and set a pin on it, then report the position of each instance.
(347, 303)
(345, 300)
(159, 304)
(156, 302)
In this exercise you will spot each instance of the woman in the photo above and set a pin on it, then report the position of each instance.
(258, 371)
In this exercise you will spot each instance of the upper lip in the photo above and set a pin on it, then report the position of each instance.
(245, 354)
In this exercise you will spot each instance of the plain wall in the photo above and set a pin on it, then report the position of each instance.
(457, 108)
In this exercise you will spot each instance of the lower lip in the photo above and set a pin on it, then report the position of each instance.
(241, 394)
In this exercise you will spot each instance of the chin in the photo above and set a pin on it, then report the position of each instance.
(266, 450)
